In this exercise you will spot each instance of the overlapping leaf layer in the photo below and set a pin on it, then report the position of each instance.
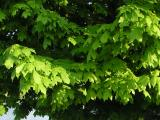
(58, 54)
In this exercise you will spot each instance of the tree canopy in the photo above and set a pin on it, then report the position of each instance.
(100, 58)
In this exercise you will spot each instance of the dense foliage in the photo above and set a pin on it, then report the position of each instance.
(99, 58)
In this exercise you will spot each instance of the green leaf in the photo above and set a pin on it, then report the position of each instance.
(148, 21)
(27, 13)
(19, 69)
(17, 7)
(156, 30)
(22, 36)
(63, 2)
(136, 33)
(35, 4)
(43, 18)
(154, 77)
(42, 89)
(2, 110)
(146, 94)
(91, 94)
(37, 77)
(83, 91)
(104, 38)
(27, 52)
(143, 82)
(65, 76)
(90, 76)
(9, 62)
(91, 55)
(107, 94)
(25, 84)
(47, 82)
(96, 44)
(2, 16)
(154, 81)
(46, 43)
(72, 40)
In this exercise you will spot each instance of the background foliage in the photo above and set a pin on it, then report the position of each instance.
(99, 58)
